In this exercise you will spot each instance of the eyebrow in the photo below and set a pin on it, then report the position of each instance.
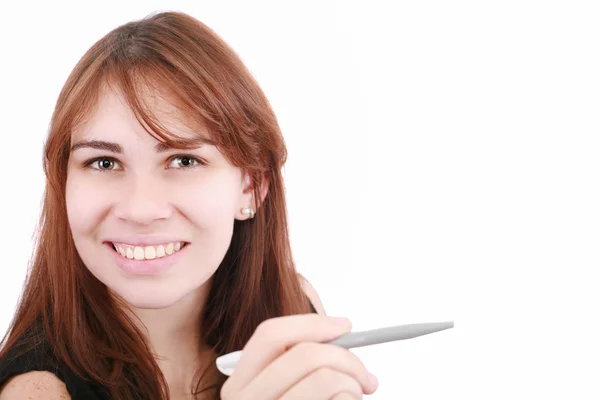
(160, 147)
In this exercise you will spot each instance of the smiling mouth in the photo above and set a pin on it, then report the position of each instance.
(140, 253)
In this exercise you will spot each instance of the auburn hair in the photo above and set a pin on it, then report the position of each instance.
(63, 305)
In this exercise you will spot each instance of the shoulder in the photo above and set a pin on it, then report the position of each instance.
(42, 385)
(312, 295)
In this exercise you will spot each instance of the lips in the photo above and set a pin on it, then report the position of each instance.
(133, 259)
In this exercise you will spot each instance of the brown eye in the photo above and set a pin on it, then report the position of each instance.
(185, 161)
(105, 164)
(182, 162)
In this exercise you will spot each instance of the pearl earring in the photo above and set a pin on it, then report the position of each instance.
(249, 211)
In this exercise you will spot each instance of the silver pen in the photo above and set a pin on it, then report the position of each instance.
(227, 363)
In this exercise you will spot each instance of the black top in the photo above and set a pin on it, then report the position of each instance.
(43, 359)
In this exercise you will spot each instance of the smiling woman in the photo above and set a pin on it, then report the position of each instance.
(134, 197)
(163, 239)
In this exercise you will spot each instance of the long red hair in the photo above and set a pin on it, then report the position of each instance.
(65, 306)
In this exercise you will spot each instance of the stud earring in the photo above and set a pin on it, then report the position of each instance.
(249, 211)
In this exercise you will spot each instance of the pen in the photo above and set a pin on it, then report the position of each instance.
(227, 363)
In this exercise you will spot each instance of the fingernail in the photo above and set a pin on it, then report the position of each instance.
(373, 381)
(340, 321)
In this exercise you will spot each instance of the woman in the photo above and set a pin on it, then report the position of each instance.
(163, 240)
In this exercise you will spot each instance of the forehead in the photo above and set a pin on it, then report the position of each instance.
(113, 118)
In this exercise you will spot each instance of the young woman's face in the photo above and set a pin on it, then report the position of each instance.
(152, 223)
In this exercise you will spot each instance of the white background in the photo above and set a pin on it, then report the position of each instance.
(444, 160)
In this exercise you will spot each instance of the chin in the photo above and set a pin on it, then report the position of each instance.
(149, 303)
(145, 298)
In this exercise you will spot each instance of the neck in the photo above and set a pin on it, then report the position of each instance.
(174, 335)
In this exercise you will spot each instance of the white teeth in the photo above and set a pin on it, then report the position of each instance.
(147, 252)
(138, 253)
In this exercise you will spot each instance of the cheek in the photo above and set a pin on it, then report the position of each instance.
(210, 208)
(86, 204)
(208, 203)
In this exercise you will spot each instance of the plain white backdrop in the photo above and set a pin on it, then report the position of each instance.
(444, 165)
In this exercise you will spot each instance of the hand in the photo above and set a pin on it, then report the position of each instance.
(285, 359)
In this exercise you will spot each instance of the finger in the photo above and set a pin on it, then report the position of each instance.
(302, 360)
(274, 336)
(325, 384)
(345, 396)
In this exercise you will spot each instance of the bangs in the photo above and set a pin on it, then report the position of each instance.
(156, 95)
(171, 68)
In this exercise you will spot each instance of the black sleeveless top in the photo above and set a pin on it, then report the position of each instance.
(43, 359)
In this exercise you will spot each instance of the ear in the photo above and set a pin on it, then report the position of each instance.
(247, 196)
(264, 189)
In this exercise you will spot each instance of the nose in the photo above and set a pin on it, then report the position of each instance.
(142, 201)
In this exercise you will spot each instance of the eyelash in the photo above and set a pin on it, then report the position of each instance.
(89, 163)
